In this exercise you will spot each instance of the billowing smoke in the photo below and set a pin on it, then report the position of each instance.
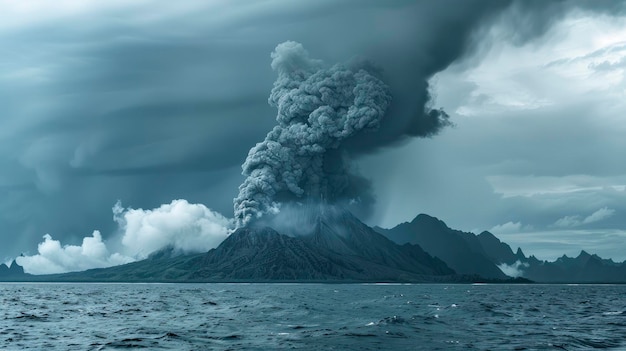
(318, 109)
(179, 226)
(323, 112)
(513, 270)
(52, 257)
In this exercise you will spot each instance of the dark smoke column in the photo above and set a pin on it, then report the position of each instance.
(318, 108)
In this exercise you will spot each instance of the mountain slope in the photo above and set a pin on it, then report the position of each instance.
(4, 270)
(497, 251)
(340, 231)
(262, 253)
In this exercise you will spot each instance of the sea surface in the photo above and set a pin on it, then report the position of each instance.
(311, 317)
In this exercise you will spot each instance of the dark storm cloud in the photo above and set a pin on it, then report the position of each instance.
(439, 38)
(454, 30)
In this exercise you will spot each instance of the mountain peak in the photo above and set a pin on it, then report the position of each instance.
(16, 269)
(249, 237)
(488, 234)
(13, 269)
(424, 222)
(303, 219)
(495, 249)
(423, 218)
(462, 251)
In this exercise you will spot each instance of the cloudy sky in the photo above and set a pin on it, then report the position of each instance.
(155, 104)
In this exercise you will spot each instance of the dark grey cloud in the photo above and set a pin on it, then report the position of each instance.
(511, 160)
(530, 19)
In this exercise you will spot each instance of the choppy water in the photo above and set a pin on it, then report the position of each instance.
(311, 316)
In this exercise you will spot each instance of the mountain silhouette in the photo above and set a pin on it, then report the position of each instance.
(497, 251)
(462, 251)
(12, 271)
(333, 246)
(585, 268)
(481, 254)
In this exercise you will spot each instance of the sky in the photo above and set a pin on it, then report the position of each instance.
(124, 126)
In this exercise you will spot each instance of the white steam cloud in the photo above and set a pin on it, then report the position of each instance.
(508, 227)
(318, 109)
(179, 225)
(54, 258)
(576, 221)
(513, 270)
(184, 227)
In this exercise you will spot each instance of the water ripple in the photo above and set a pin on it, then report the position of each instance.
(311, 316)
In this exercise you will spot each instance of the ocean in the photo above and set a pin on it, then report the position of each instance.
(58, 316)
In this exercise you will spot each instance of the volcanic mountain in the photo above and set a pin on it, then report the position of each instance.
(328, 244)
(338, 247)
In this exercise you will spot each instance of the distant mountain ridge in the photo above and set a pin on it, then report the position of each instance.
(482, 254)
(584, 268)
(329, 244)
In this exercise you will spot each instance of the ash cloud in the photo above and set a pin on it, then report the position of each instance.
(318, 109)
(290, 163)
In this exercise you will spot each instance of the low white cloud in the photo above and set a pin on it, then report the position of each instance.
(187, 228)
(184, 227)
(513, 270)
(52, 257)
(575, 221)
(508, 227)
(527, 186)
(568, 222)
(599, 215)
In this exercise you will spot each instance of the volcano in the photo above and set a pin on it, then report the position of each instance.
(337, 247)
(325, 245)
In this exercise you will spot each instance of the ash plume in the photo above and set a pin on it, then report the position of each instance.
(318, 109)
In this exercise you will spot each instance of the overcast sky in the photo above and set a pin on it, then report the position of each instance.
(154, 101)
